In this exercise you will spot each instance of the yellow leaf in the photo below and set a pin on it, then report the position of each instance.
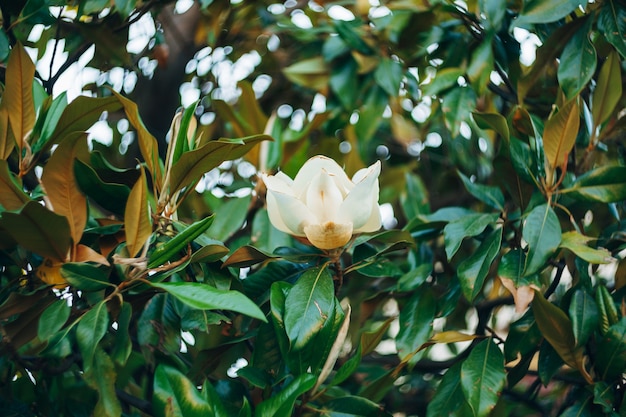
(559, 135)
(11, 195)
(86, 254)
(18, 95)
(137, 225)
(522, 295)
(452, 336)
(61, 187)
(608, 91)
(7, 140)
(50, 273)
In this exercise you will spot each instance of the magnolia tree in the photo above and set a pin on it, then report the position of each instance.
(396, 211)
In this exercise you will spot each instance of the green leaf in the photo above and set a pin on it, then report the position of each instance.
(557, 329)
(264, 235)
(481, 65)
(53, 319)
(416, 324)
(608, 90)
(578, 62)
(102, 377)
(308, 306)
(542, 232)
(123, 346)
(355, 406)
(494, 11)
(483, 377)
(583, 312)
(176, 396)
(281, 404)
(388, 76)
(449, 399)
(494, 121)
(539, 11)
(577, 243)
(85, 277)
(606, 184)
(79, 116)
(457, 106)
(611, 356)
(91, 329)
(193, 164)
(474, 269)
(229, 217)
(205, 297)
(39, 230)
(603, 396)
(612, 22)
(209, 253)
(415, 277)
(467, 226)
(311, 73)
(110, 196)
(489, 195)
(343, 82)
(168, 250)
(444, 79)
(351, 33)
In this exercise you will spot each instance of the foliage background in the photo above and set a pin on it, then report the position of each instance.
(496, 287)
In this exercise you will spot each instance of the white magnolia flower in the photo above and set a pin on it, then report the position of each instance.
(323, 204)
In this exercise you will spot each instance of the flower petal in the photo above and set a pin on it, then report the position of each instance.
(323, 197)
(329, 235)
(287, 213)
(279, 182)
(315, 165)
(360, 205)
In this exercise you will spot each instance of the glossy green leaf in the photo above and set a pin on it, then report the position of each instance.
(494, 11)
(109, 196)
(79, 116)
(415, 277)
(102, 376)
(603, 395)
(176, 396)
(416, 324)
(343, 82)
(53, 319)
(608, 90)
(481, 65)
(542, 232)
(583, 312)
(123, 346)
(444, 79)
(578, 243)
(612, 22)
(39, 230)
(538, 11)
(474, 269)
(449, 398)
(170, 249)
(281, 404)
(85, 277)
(483, 377)
(457, 106)
(205, 297)
(489, 195)
(494, 121)
(91, 329)
(467, 226)
(557, 329)
(52, 116)
(606, 184)
(523, 338)
(388, 76)
(193, 164)
(264, 235)
(308, 306)
(578, 62)
(229, 218)
(351, 33)
(611, 356)
(209, 253)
